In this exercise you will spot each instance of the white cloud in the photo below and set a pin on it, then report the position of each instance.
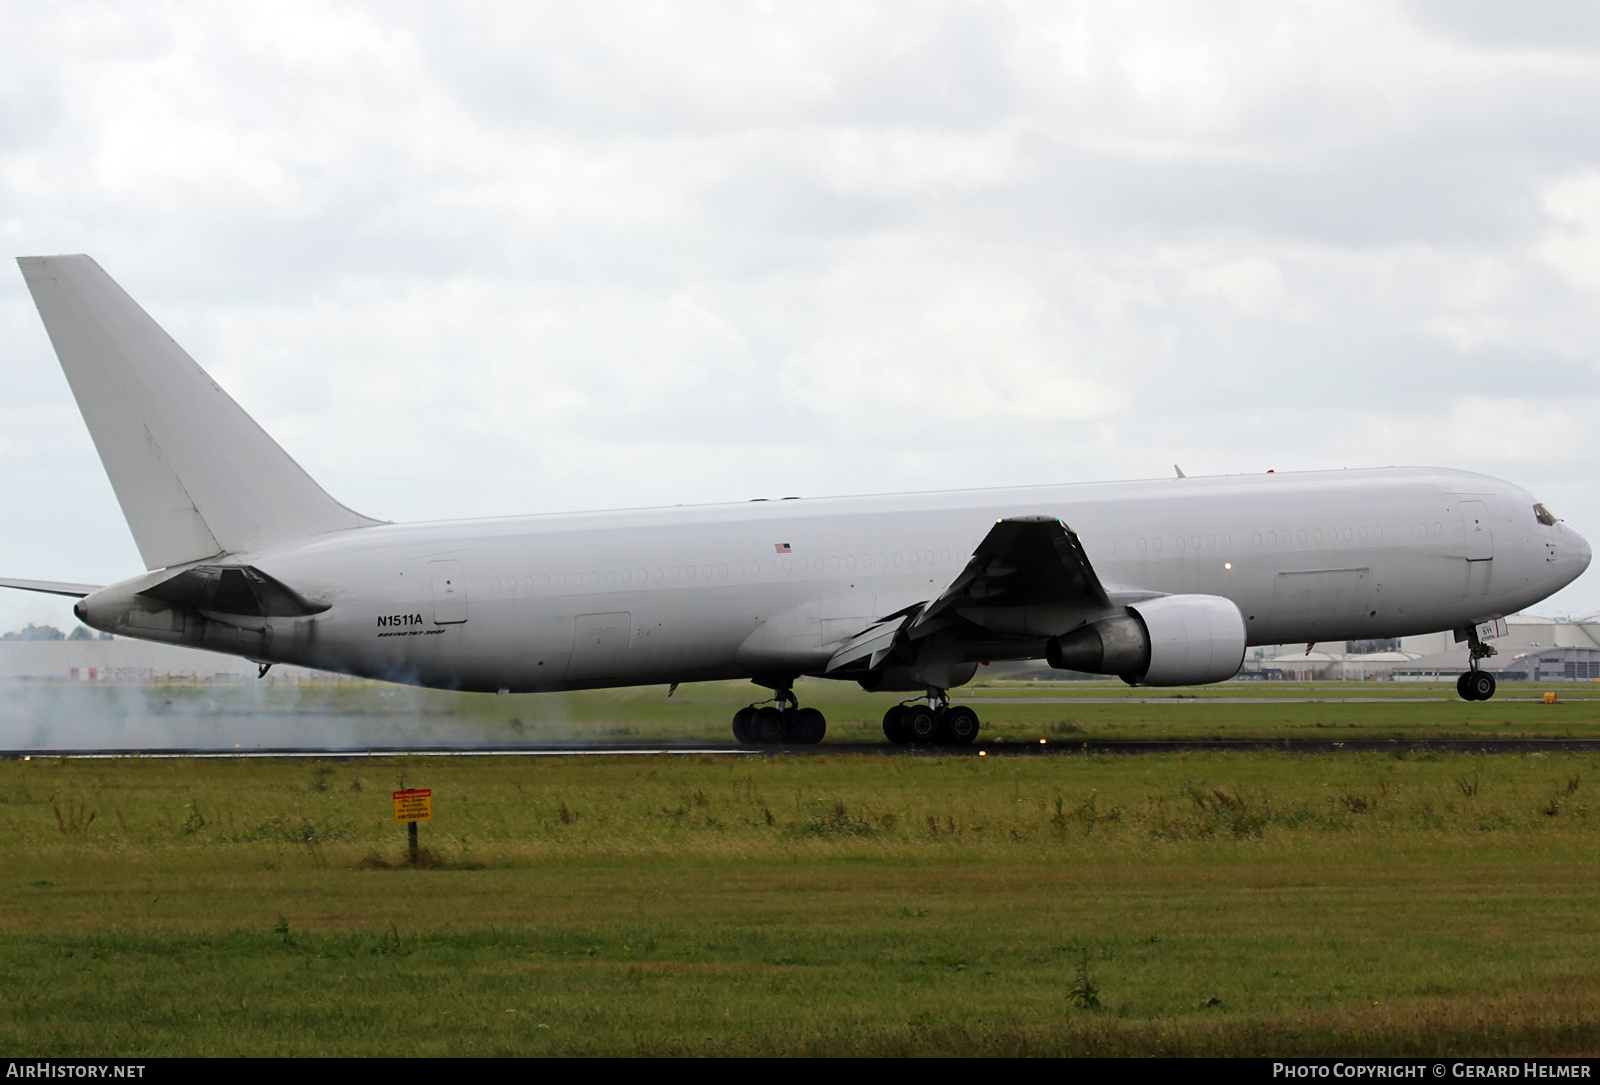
(495, 259)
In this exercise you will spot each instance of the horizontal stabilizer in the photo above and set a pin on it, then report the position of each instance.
(195, 475)
(50, 587)
(234, 589)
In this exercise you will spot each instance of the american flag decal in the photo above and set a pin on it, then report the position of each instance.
(783, 548)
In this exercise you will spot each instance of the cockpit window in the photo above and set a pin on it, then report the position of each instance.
(1542, 514)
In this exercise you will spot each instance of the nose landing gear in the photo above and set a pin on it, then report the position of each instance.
(1476, 685)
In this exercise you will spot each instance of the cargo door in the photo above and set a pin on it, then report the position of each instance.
(449, 592)
(1321, 601)
(599, 646)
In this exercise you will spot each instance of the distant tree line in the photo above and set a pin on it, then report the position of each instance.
(50, 632)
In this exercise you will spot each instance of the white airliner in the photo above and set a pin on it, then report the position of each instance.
(1162, 583)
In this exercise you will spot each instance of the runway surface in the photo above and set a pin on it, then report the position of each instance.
(881, 749)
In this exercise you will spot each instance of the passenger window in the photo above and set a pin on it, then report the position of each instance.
(1180, 542)
(611, 576)
(1211, 542)
(1227, 540)
(544, 582)
(659, 575)
(688, 571)
(1348, 534)
(944, 556)
(626, 576)
(1156, 543)
(561, 580)
(1363, 532)
(594, 579)
(898, 559)
(928, 557)
(644, 575)
(673, 572)
(1316, 534)
(883, 560)
(1194, 541)
(494, 585)
(802, 565)
(849, 561)
(705, 571)
(1272, 538)
(788, 565)
(912, 557)
(1255, 538)
(833, 563)
(722, 570)
(1377, 532)
(1438, 529)
(1142, 546)
(1302, 535)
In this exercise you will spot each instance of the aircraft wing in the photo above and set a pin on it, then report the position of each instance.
(51, 587)
(1028, 573)
(1029, 577)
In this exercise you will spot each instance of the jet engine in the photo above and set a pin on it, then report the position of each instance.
(1177, 640)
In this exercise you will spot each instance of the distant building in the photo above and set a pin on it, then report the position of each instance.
(1535, 649)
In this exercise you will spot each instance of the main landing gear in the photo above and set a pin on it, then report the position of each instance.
(934, 723)
(1476, 685)
(782, 722)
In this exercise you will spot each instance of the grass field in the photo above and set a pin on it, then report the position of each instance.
(1208, 902)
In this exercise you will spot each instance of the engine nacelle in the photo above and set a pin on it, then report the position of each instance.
(1177, 640)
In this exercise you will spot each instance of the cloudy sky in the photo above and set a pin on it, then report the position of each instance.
(467, 260)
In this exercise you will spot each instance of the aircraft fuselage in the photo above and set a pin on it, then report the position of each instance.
(692, 593)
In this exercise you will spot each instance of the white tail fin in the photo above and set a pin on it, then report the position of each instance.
(195, 475)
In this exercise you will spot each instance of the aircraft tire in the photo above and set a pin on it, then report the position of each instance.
(807, 727)
(1481, 684)
(744, 726)
(958, 726)
(894, 725)
(768, 726)
(921, 724)
(1461, 686)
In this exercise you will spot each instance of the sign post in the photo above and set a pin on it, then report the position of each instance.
(411, 806)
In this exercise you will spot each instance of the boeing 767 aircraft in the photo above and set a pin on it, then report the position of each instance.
(1162, 583)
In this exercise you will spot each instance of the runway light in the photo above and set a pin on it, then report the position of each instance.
(1041, 742)
(981, 753)
(1227, 565)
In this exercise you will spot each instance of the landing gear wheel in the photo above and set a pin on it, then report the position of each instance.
(958, 725)
(1480, 684)
(1461, 686)
(894, 725)
(768, 726)
(744, 725)
(807, 727)
(921, 724)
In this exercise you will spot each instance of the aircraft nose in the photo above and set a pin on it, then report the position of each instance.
(1581, 553)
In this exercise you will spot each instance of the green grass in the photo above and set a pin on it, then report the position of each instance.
(1216, 903)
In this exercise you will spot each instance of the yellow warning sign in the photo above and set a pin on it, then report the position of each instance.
(414, 804)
